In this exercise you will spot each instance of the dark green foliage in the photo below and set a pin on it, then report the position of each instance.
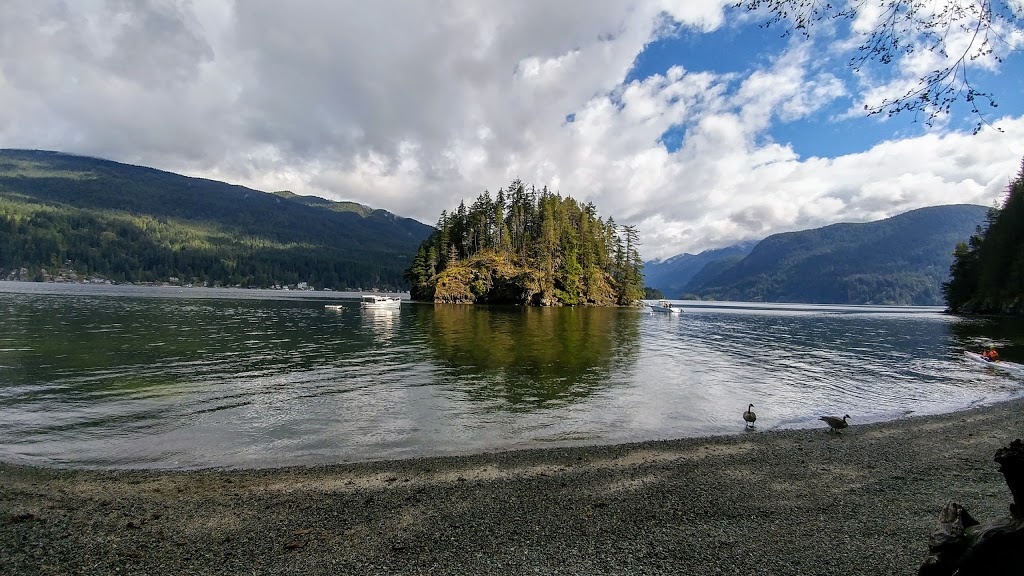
(528, 247)
(987, 273)
(899, 260)
(652, 293)
(135, 224)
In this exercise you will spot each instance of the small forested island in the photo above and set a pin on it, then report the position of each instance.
(528, 247)
(987, 274)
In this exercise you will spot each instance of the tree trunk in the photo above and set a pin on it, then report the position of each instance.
(961, 545)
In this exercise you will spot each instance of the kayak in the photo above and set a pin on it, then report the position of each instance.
(1011, 367)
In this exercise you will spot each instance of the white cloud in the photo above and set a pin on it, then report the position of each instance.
(413, 106)
(705, 15)
(946, 35)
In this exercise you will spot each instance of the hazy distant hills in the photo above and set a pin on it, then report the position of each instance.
(127, 223)
(138, 224)
(899, 260)
(671, 276)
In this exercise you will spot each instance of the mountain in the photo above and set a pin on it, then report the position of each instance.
(672, 275)
(900, 260)
(137, 224)
(317, 201)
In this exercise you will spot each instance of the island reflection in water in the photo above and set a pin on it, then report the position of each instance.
(135, 377)
(527, 358)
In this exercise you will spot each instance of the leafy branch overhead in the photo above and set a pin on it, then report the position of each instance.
(961, 34)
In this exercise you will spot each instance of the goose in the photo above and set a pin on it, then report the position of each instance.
(749, 416)
(835, 424)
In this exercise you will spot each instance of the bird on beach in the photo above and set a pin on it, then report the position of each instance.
(835, 424)
(749, 416)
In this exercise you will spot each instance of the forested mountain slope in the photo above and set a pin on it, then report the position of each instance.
(136, 224)
(899, 260)
(673, 274)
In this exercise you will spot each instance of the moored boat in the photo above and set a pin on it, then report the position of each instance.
(376, 301)
(665, 306)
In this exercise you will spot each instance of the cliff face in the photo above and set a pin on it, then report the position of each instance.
(491, 278)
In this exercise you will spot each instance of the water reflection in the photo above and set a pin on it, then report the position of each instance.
(1006, 333)
(380, 322)
(106, 377)
(524, 358)
(799, 361)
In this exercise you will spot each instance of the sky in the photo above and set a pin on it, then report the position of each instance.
(689, 119)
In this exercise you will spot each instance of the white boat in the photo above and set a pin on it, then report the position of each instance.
(375, 301)
(334, 307)
(666, 306)
(1011, 367)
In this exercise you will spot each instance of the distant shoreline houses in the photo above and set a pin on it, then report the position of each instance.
(67, 275)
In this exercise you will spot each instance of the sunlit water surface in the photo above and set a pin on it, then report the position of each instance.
(105, 376)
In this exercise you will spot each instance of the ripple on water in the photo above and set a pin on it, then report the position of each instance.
(165, 382)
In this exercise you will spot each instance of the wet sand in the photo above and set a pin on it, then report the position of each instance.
(781, 502)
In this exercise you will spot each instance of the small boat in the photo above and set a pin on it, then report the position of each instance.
(1011, 367)
(334, 307)
(375, 301)
(665, 306)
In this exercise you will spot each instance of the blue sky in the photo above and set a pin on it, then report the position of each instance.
(739, 47)
(683, 117)
(736, 50)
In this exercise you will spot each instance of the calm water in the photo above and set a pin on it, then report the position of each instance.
(181, 378)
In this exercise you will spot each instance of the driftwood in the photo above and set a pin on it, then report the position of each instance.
(963, 546)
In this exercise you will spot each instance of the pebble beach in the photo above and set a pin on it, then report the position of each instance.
(779, 502)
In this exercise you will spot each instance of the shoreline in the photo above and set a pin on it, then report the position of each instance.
(779, 502)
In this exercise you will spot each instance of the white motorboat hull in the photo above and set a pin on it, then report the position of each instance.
(666, 307)
(380, 302)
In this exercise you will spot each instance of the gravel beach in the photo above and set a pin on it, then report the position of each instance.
(785, 502)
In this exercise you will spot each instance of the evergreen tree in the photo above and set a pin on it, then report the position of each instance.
(631, 285)
(987, 274)
(568, 255)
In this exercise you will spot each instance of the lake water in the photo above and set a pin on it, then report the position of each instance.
(112, 376)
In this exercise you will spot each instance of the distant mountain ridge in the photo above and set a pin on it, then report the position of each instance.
(336, 206)
(673, 274)
(133, 223)
(899, 260)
